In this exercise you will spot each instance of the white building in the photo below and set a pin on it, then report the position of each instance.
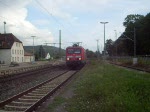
(48, 56)
(28, 57)
(11, 49)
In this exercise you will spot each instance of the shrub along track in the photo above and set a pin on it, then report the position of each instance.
(10, 86)
(131, 67)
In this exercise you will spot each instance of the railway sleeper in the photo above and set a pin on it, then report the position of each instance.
(27, 100)
(36, 94)
(43, 89)
(49, 86)
(15, 108)
(40, 92)
(52, 83)
(31, 97)
(47, 90)
(10, 111)
(17, 103)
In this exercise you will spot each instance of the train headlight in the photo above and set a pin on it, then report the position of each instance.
(79, 58)
(68, 59)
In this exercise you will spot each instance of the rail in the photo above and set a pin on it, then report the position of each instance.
(29, 100)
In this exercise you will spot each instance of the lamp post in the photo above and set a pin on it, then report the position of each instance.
(116, 41)
(104, 35)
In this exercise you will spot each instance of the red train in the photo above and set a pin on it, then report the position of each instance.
(75, 56)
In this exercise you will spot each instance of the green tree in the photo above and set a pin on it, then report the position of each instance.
(132, 19)
(142, 26)
(42, 53)
(109, 47)
(90, 54)
(125, 43)
(144, 36)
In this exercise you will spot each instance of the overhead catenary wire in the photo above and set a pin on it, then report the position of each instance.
(56, 20)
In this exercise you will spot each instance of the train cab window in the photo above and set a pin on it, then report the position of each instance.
(77, 51)
(74, 51)
(70, 51)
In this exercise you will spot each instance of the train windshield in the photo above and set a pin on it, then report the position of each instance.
(74, 51)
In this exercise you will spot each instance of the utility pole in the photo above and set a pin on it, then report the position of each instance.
(33, 46)
(135, 60)
(4, 27)
(60, 43)
(97, 48)
(116, 41)
(134, 42)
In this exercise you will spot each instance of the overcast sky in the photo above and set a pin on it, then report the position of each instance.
(79, 20)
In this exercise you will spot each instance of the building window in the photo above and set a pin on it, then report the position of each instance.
(18, 59)
(12, 51)
(22, 59)
(12, 59)
(15, 59)
(20, 51)
(15, 51)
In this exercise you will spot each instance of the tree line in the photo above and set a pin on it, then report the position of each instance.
(137, 26)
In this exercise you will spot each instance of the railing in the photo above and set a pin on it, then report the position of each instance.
(143, 60)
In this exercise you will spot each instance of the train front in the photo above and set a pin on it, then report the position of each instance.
(75, 56)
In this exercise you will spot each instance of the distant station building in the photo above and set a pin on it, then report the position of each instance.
(28, 57)
(11, 49)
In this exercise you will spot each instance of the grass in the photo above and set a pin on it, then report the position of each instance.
(106, 88)
(144, 61)
(57, 101)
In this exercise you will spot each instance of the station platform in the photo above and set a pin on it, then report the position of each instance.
(6, 70)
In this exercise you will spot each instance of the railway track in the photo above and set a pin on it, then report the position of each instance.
(28, 73)
(29, 100)
(10, 86)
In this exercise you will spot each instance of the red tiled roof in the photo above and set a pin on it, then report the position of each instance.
(7, 40)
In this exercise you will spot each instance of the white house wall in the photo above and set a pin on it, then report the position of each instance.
(17, 52)
(5, 56)
(28, 58)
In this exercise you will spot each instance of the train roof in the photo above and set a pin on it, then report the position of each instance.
(75, 47)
